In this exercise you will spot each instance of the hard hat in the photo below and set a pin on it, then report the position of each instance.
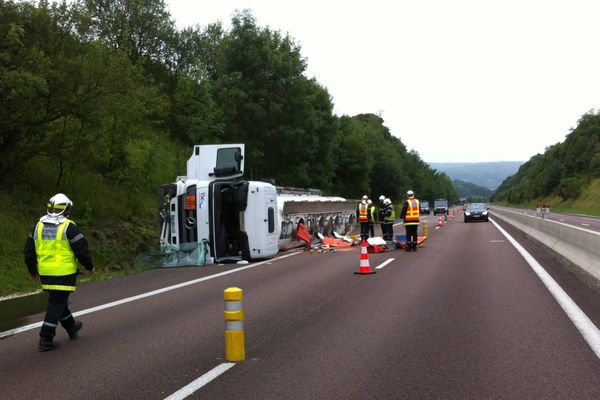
(410, 193)
(381, 198)
(365, 197)
(369, 201)
(387, 201)
(58, 205)
(363, 201)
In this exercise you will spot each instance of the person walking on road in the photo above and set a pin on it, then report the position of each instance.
(362, 214)
(51, 251)
(410, 216)
(372, 216)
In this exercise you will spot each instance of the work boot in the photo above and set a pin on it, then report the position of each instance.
(47, 344)
(73, 331)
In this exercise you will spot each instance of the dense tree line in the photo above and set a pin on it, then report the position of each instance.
(113, 88)
(564, 169)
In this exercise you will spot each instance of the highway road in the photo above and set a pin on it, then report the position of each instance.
(465, 317)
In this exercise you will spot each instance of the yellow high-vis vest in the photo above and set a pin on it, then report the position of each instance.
(54, 255)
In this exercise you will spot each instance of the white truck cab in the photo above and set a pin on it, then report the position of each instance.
(212, 215)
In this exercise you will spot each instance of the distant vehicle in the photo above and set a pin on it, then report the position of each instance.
(425, 207)
(476, 212)
(440, 206)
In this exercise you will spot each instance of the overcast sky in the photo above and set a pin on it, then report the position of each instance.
(456, 81)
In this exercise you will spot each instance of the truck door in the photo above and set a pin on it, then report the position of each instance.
(227, 202)
(216, 161)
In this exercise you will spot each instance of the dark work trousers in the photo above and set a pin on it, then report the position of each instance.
(372, 229)
(411, 237)
(364, 230)
(389, 231)
(57, 311)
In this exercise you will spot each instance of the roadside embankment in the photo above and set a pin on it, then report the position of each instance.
(578, 245)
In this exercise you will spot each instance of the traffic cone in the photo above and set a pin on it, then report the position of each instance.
(364, 268)
(440, 222)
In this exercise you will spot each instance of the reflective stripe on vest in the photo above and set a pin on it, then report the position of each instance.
(362, 213)
(412, 212)
(54, 254)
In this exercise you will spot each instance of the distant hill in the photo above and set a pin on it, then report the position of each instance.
(564, 171)
(486, 174)
(471, 191)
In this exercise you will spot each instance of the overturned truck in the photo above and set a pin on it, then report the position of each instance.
(212, 215)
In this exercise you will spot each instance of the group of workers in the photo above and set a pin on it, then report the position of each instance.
(368, 215)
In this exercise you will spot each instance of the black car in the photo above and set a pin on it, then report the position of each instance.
(476, 212)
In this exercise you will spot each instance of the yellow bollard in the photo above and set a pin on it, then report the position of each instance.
(234, 325)
(425, 228)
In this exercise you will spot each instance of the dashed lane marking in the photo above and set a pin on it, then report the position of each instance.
(386, 262)
(198, 383)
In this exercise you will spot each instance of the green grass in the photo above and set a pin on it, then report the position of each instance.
(119, 222)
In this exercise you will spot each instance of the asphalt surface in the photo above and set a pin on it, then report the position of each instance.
(581, 221)
(464, 317)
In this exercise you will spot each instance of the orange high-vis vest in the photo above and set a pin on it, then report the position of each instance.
(412, 212)
(362, 212)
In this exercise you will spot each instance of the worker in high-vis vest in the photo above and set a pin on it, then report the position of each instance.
(410, 216)
(389, 216)
(362, 214)
(380, 214)
(372, 214)
(52, 250)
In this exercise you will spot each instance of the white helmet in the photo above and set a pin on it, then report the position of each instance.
(365, 197)
(410, 193)
(387, 201)
(369, 201)
(59, 205)
(381, 198)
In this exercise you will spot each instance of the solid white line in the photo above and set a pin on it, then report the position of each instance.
(383, 264)
(144, 295)
(586, 327)
(198, 383)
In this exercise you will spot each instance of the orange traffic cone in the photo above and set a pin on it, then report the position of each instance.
(364, 267)
(440, 222)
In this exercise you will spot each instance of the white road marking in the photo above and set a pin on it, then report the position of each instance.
(147, 294)
(198, 383)
(497, 241)
(386, 262)
(586, 327)
(584, 224)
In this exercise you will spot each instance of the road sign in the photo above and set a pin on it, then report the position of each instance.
(542, 209)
